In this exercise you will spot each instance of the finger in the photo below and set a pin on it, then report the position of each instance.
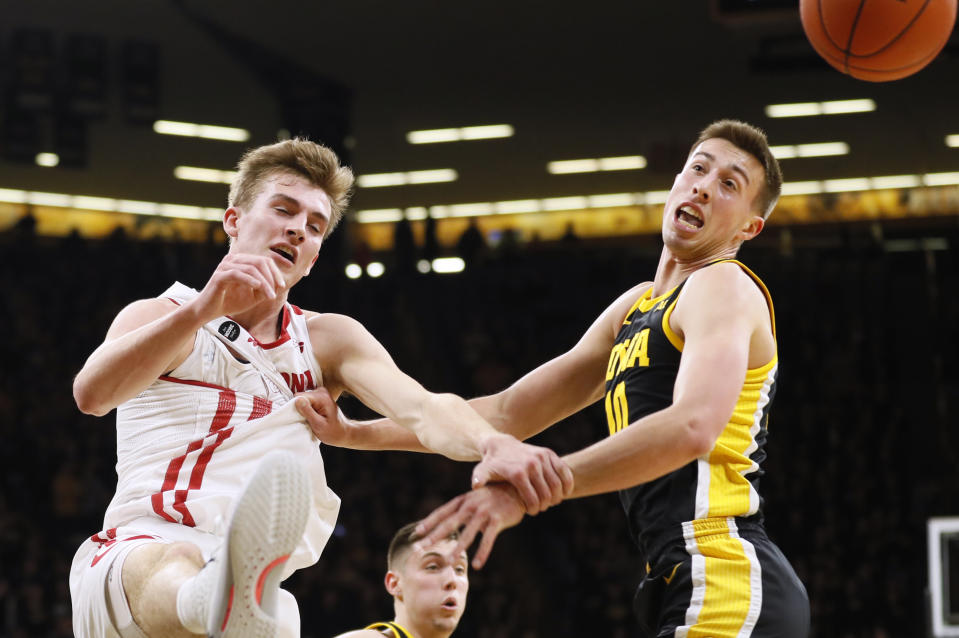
(277, 274)
(271, 272)
(544, 494)
(440, 523)
(260, 268)
(244, 274)
(485, 546)
(481, 476)
(320, 400)
(527, 492)
(467, 535)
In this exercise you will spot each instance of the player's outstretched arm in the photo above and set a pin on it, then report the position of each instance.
(553, 391)
(152, 336)
(720, 313)
(353, 361)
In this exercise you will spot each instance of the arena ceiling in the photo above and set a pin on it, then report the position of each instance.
(606, 78)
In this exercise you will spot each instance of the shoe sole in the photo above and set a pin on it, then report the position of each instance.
(267, 525)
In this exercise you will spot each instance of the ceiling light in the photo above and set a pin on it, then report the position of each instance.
(94, 203)
(518, 206)
(197, 174)
(208, 131)
(821, 149)
(564, 203)
(896, 181)
(353, 271)
(612, 201)
(434, 136)
(623, 163)
(470, 210)
(13, 196)
(801, 188)
(846, 185)
(448, 264)
(952, 141)
(375, 268)
(48, 199)
(940, 179)
(806, 109)
(375, 180)
(379, 215)
(47, 159)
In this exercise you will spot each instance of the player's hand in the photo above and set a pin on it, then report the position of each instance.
(323, 416)
(487, 510)
(239, 282)
(540, 477)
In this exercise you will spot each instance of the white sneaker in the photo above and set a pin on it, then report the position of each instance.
(267, 524)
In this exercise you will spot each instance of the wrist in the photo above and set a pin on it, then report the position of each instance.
(491, 442)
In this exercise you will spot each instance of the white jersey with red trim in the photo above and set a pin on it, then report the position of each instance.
(188, 442)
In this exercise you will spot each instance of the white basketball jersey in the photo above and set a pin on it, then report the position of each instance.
(187, 443)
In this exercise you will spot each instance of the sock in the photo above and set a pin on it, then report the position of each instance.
(193, 600)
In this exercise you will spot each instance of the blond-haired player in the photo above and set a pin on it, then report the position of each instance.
(204, 384)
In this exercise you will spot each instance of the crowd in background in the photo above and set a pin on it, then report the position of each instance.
(863, 446)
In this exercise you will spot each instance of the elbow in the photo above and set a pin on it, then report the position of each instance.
(87, 401)
(700, 434)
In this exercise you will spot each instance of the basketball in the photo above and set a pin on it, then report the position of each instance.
(880, 40)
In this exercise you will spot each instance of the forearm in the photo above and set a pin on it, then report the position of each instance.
(649, 448)
(449, 426)
(382, 434)
(122, 367)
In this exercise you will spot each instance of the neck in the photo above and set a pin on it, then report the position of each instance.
(674, 270)
(263, 320)
(423, 629)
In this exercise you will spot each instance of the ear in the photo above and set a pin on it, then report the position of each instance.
(752, 227)
(392, 582)
(230, 217)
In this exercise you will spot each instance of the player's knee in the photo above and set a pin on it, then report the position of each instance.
(182, 551)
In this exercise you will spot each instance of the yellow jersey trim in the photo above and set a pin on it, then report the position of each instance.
(396, 629)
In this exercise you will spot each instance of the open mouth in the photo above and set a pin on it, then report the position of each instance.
(450, 603)
(688, 216)
(286, 253)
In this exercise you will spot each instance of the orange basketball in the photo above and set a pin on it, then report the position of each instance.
(878, 40)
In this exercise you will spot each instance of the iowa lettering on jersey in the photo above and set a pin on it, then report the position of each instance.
(299, 382)
(630, 353)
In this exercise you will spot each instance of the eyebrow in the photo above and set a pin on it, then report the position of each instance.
(736, 167)
(296, 202)
(461, 558)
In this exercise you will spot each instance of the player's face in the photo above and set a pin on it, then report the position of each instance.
(711, 207)
(286, 223)
(434, 583)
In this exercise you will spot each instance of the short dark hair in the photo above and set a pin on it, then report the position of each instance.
(403, 539)
(752, 140)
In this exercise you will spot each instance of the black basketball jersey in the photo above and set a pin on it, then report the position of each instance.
(723, 483)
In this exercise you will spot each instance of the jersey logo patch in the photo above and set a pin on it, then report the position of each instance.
(229, 329)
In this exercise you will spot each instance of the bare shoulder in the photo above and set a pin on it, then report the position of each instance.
(331, 324)
(721, 290)
(727, 280)
(621, 306)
